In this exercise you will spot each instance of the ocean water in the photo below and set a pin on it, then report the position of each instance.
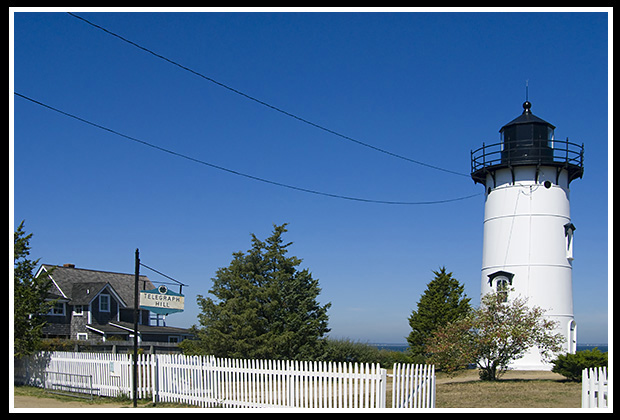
(601, 347)
(403, 347)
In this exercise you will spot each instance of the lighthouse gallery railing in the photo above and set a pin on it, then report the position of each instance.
(559, 153)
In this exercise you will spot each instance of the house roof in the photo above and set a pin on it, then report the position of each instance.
(84, 293)
(81, 285)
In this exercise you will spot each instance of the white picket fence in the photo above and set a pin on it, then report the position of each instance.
(213, 382)
(111, 373)
(206, 381)
(413, 386)
(594, 388)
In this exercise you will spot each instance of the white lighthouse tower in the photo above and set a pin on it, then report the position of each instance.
(528, 233)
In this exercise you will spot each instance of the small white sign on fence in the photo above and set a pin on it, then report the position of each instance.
(115, 368)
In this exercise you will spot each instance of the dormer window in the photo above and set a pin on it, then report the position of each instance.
(502, 281)
(104, 303)
(501, 284)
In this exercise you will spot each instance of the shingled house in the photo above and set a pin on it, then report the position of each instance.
(98, 305)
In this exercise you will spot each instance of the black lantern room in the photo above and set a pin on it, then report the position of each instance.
(527, 139)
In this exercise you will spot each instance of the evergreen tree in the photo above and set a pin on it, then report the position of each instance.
(443, 301)
(264, 307)
(29, 296)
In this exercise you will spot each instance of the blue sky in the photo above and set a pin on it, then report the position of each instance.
(427, 86)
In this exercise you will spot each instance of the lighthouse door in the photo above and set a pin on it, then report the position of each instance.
(572, 336)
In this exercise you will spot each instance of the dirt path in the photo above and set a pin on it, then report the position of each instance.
(25, 401)
(36, 402)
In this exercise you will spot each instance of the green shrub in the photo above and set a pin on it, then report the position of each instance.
(571, 365)
(57, 344)
(389, 357)
(345, 350)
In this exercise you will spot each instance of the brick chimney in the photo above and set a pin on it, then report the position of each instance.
(69, 265)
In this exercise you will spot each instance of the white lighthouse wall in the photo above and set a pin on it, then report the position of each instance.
(524, 235)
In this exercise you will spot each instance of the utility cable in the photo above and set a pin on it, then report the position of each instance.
(221, 168)
(162, 274)
(252, 98)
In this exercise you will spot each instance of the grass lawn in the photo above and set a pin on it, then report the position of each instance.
(516, 389)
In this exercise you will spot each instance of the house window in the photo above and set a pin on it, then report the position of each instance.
(58, 309)
(82, 336)
(104, 303)
(158, 320)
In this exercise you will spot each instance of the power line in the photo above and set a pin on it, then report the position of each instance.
(252, 98)
(221, 168)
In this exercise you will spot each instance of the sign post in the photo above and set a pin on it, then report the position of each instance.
(159, 300)
(135, 332)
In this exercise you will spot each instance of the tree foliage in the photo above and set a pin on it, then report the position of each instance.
(263, 307)
(29, 296)
(444, 301)
(451, 346)
(494, 335)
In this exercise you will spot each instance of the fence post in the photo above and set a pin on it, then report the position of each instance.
(154, 376)
(584, 388)
(593, 387)
(383, 389)
(433, 387)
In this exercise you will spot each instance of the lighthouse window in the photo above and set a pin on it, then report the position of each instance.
(501, 285)
(550, 136)
(503, 282)
(569, 230)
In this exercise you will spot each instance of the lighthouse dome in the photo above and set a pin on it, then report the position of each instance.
(527, 117)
